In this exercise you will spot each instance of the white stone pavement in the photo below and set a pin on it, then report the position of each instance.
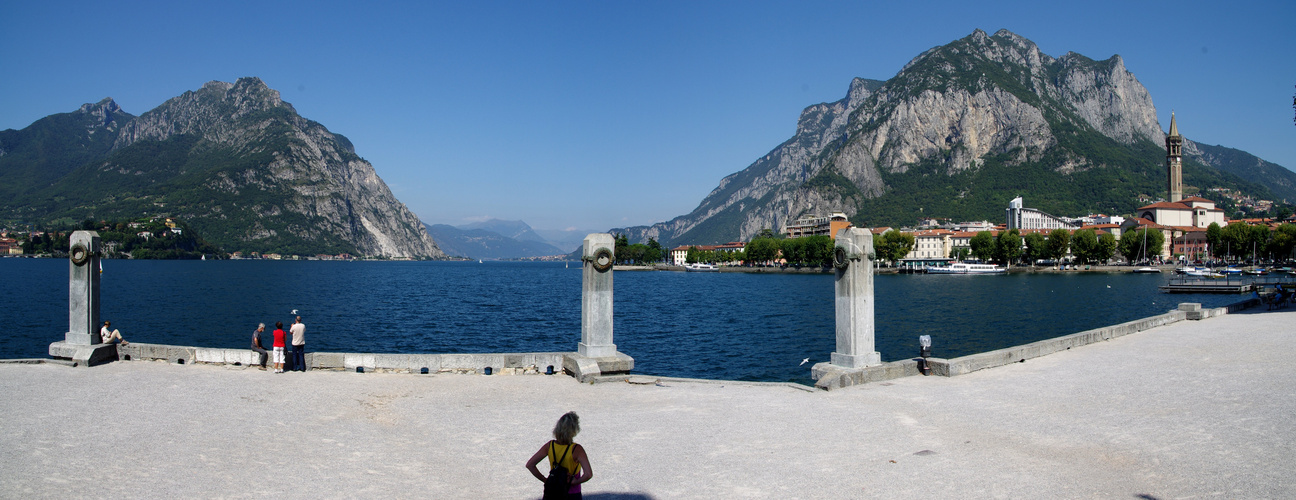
(1195, 409)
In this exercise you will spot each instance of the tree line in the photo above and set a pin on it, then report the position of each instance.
(145, 239)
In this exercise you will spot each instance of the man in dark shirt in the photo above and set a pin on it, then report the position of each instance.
(256, 344)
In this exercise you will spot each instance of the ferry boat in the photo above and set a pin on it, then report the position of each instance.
(699, 267)
(964, 268)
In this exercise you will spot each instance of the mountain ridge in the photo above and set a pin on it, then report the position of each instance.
(233, 159)
(957, 132)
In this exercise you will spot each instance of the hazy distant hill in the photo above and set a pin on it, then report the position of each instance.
(485, 244)
(233, 159)
(958, 132)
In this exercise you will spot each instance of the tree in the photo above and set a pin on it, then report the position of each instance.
(655, 252)
(1084, 244)
(1236, 239)
(1106, 248)
(793, 249)
(960, 253)
(1214, 234)
(693, 256)
(1282, 241)
(893, 245)
(1008, 247)
(1059, 241)
(1143, 244)
(983, 245)
(762, 250)
(1036, 248)
(818, 250)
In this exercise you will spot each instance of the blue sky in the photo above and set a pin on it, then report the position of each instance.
(594, 115)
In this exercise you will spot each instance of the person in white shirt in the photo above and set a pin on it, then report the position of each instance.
(299, 345)
(112, 336)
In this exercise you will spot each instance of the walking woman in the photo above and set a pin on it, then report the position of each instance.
(563, 452)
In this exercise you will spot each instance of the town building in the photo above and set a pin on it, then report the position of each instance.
(679, 255)
(813, 225)
(1187, 212)
(1020, 217)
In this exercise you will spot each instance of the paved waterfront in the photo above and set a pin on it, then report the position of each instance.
(1195, 409)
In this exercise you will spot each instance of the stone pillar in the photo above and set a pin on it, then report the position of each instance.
(853, 259)
(81, 343)
(596, 297)
(596, 355)
(83, 289)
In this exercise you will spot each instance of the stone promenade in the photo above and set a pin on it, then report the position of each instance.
(1197, 409)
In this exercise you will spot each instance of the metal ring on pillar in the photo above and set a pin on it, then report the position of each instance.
(79, 254)
(602, 260)
(841, 259)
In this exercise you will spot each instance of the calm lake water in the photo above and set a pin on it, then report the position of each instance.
(732, 326)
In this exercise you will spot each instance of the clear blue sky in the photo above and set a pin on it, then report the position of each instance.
(601, 114)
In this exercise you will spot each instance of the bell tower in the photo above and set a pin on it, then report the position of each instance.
(1174, 161)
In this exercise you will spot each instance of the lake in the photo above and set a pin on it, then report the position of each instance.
(731, 326)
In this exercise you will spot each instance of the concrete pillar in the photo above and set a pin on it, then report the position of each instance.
(853, 259)
(81, 343)
(83, 289)
(596, 297)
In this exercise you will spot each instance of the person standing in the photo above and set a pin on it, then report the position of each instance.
(299, 345)
(279, 347)
(565, 453)
(256, 344)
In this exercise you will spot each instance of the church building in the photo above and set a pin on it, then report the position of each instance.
(1183, 221)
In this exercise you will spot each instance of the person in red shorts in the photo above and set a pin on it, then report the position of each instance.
(279, 347)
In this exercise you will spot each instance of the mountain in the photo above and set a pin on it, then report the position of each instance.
(958, 132)
(514, 229)
(233, 159)
(485, 244)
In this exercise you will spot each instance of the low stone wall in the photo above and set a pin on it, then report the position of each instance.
(832, 377)
(501, 364)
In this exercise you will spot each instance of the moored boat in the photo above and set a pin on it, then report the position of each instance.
(699, 267)
(965, 268)
(1147, 270)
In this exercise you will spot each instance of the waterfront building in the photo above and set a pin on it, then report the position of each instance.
(1020, 217)
(931, 244)
(811, 225)
(679, 255)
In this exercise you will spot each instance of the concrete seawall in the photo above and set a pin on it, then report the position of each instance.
(1018, 354)
(564, 362)
(498, 363)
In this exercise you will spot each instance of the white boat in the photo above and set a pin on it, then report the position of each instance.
(702, 268)
(964, 268)
(1148, 270)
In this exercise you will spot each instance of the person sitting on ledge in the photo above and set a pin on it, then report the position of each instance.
(113, 336)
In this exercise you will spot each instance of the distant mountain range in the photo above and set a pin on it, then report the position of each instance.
(232, 159)
(493, 239)
(958, 132)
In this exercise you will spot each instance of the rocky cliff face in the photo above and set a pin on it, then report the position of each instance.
(326, 181)
(251, 174)
(947, 113)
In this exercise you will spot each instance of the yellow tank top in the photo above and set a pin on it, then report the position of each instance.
(557, 451)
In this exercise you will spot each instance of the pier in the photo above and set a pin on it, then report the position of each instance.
(1193, 408)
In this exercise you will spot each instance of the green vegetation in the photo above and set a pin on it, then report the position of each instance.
(892, 246)
(140, 239)
(638, 253)
(1135, 245)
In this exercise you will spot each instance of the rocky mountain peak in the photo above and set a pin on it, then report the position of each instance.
(103, 114)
